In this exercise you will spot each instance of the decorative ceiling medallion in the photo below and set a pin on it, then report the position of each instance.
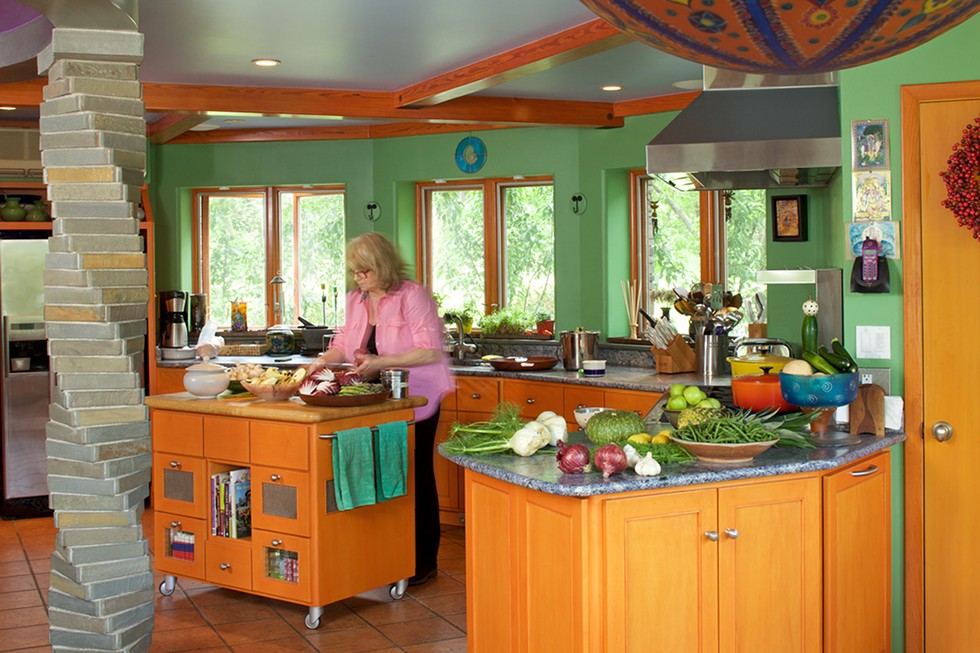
(787, 38)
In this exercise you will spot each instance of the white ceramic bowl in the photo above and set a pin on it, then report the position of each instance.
(206, 380)
(593, 367)
(582, 415)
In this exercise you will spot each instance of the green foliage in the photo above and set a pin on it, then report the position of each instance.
(457, 241)
(237, 257)
(506, 321)
(319, 234)
(529, 219)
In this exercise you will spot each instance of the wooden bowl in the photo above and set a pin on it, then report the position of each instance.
(724, 454)
(276, 392)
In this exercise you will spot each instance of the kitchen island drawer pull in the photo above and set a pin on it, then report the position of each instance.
(276, 542)
(475, 395)
(175, 464)
(711, 535)
(531, 400)
(867, 472)
(275, 477)
(732, 533)
(224, 566)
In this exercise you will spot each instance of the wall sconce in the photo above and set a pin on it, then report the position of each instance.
(372, 211)
(579, 203)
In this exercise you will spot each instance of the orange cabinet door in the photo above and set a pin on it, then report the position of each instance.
(286, 444)
(533, 397)
(229, 562)
(447, 473)
(281, 565)
(177, 432)
(769, 567)
(638, 402)
(179, 546)
(475, 394)
(580, 397)
(180, 485)
(280, 500)
(857, 557)
(659, 571)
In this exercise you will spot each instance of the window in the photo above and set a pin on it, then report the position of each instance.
(683, 237)
(489, 243)
(244, 238)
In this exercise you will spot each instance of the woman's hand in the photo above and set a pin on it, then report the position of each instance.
(369, 366)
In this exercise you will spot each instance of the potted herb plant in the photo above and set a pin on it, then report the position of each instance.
(506, 321)
(544, 324)
(466, 314)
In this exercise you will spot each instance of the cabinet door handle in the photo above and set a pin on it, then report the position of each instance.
(530, 400)
(942, 431)
(276, 477)
(276, 542)
(475, 395)
(175, 524)
(732, 533)
(224, 566)
(711, 535)
(581, 406)
(868, 472)
(175, 464)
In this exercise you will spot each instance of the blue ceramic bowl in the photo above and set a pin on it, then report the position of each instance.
(819, 391)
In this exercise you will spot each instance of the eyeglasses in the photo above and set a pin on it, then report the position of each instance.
(362, 273)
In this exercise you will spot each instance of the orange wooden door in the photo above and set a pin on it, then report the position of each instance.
(769, 567)
(659, 573)
(950, 265)
(857, 557)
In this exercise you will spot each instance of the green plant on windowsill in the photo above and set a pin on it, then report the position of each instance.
(506, 321)
(544, 323)
(466, 314)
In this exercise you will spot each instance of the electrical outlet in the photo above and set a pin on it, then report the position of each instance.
(878, 375)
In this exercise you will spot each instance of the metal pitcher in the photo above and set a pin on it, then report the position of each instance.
(577, 346)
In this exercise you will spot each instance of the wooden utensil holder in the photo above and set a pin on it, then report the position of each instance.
(676, 358)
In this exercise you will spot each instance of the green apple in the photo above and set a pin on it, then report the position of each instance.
(676, 403)
(677, 390)
(693, 394)
(709, 402)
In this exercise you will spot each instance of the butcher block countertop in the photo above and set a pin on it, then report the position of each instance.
(293, 410)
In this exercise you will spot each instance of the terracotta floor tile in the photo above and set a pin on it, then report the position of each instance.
(451, 551)
(458, 620)
(445, 604)
(176, 619)
(15, 619)
(445, 646)
(175, 601)
(349, 641)
(441, 584)
(407, 609)
(286, 645)
(22, 599)
(11, 551)
(453, 566)
(258, 630)
(422, 630)
(236, 611)
(338, 617)
(16, 584)
(18, 568)
(206, 595)
(19, 638)
(186, 639)
(35, 649)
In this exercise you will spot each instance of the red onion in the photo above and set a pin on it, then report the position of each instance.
(611, 459)
(572, 458)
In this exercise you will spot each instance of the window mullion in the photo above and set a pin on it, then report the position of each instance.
(272, 249)
(493, 245)
(297, 303)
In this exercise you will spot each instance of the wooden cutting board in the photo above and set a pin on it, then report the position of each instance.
(867, 412)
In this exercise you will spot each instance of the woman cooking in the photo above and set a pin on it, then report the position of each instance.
(392, 321)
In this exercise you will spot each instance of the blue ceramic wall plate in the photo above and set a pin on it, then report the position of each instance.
(471, 154)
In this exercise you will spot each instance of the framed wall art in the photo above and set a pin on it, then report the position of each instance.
(872, 195)
(888, 235)
(869, 144)
(789, 218)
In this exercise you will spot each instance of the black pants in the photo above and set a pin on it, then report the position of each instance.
(426, 499)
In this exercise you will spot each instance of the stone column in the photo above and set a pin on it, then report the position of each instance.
(93, 148)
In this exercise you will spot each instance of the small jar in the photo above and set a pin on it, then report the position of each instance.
(280, 340)
(395, 381)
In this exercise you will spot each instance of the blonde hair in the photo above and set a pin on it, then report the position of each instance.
(372, 251)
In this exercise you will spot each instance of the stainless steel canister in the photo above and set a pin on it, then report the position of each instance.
(577, 346)
(395, 381)
(711, 353)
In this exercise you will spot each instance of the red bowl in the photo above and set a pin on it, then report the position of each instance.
(759, 392)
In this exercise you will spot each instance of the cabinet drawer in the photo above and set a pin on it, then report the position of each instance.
(180, 485)
(179, 547)
(226, 438)
(280, 500)
(533, 397)
(178, 432)
(229, 563)
(638, 402)
(281, 565)
(477, 395)
(284, 444)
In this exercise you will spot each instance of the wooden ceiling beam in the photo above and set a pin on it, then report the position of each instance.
(168, 127)
(570, 45)
(23, 94)
(659, 104)
(339, 132)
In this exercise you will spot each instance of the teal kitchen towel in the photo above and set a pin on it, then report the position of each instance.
(353, 469)
(391, 460)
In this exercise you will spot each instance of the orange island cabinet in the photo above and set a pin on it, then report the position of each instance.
(292, 542)
(791, 553)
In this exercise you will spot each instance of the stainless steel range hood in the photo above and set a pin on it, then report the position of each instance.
(747, 131)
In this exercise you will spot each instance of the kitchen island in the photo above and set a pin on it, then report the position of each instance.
(300, 547)
(790, 553)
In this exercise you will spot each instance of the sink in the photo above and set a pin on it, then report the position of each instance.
(468, 362)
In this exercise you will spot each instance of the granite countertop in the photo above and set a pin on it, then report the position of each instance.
(540, 472)
(645, 379)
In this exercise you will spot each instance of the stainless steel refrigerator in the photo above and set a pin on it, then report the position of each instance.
(25, 376)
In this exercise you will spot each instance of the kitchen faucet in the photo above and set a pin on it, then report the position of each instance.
(460, 348)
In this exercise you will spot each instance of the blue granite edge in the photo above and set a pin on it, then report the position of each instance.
(540, 472)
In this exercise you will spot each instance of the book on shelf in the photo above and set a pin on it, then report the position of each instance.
(231, 503)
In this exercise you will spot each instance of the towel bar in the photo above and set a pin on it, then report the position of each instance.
(374, 431)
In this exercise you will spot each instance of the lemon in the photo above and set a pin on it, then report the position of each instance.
(639, 438)
(660, 438)
(490, 357)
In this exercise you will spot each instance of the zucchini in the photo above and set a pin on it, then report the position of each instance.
(809, 334)
(838, 361)
(838, 348)
(819, 363)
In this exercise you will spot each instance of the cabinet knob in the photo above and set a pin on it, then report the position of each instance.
(174, 464)
(276, 477)
(276, 542)
(711, 535)
(942, 431)
(867, 472)
(531, 400)
(581, 406)
(175, 524)
(732, 533)
(475, 395)
(224, 566)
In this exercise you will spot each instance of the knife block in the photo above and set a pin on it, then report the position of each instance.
(676, 358)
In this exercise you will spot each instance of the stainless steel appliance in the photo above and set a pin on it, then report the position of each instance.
(577, 346)
(173, 319)
(24, 375)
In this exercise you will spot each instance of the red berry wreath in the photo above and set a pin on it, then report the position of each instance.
(962, 179)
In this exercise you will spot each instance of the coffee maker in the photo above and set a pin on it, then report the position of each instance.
(173, 319)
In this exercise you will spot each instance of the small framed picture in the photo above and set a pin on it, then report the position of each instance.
(869, 144)
(789, 218)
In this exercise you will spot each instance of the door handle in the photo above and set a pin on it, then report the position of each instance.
(942, 431)
(711, 535)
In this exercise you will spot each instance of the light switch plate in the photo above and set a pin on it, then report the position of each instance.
(873, 342)
(881, 376)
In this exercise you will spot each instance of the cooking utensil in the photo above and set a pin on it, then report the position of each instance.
(759, 392)
(577, 346)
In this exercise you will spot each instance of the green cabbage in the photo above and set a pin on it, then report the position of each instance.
(613, 426)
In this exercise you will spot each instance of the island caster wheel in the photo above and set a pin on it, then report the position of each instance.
(167, 585)
(397, 590)
(312, 619)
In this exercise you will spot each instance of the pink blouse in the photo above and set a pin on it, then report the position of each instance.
(407, 319)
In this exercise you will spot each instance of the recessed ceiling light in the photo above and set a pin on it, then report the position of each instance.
(266, 62)
(203, 127)
(689, 84)
(612, 87)
(8, 108)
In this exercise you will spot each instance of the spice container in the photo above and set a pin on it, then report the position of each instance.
(395, 381)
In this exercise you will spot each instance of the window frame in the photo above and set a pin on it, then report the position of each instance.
(494, 229)
(271, 230)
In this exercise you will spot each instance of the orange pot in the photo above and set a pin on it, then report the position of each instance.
(759, 392)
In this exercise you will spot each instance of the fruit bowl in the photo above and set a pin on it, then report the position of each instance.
(819, 391)
(672, 416)
(272, 392)
(582, 415)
